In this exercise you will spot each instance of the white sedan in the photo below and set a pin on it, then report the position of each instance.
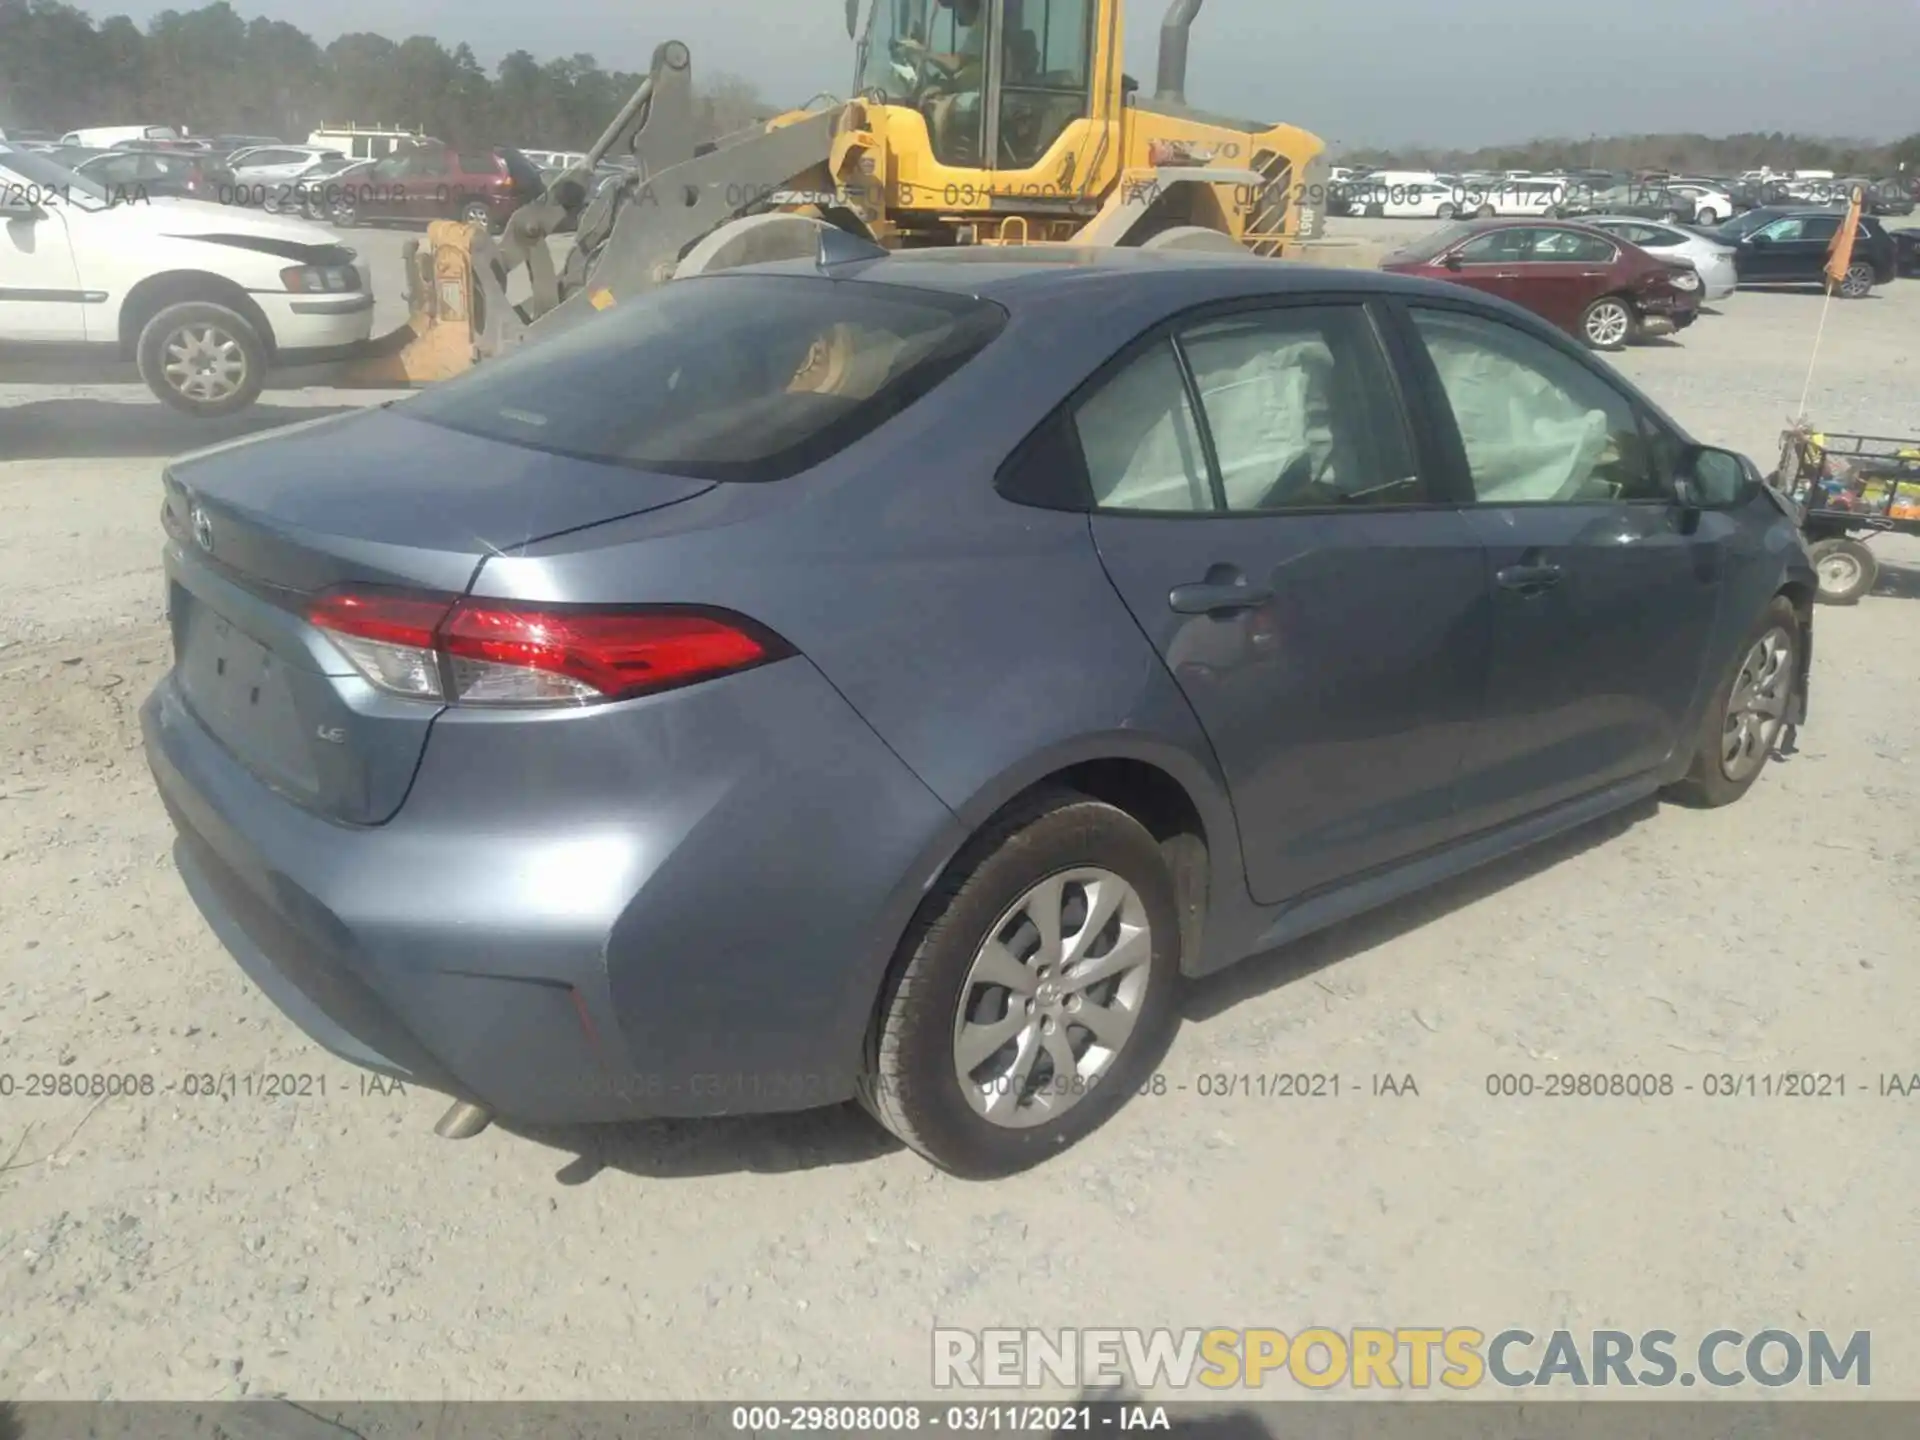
(1712, 260)
(203, 297)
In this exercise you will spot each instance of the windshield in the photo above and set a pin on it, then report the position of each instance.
(912, 48)
(37, 172)
(731, 377)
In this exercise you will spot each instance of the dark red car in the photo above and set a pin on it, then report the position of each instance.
(1599, 288)
(439, 182)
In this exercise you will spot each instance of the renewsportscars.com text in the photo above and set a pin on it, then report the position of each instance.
(1382, 1358)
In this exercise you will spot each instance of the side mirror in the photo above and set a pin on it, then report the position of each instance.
(1759, 237)
(18, 207)
(1453, 261)
(1713, 479)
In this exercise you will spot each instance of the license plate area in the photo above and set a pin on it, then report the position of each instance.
(243, 694)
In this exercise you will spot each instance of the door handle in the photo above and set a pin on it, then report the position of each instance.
(1529, 579)
(1211, 599)
(1506, 274)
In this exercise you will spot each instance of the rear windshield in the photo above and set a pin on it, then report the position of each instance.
(726, 377)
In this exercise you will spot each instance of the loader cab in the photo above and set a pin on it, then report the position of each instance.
(998, 82)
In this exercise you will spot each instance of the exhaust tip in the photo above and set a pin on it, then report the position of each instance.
(463, 1121)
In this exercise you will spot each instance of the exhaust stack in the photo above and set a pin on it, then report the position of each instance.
(1172, 82)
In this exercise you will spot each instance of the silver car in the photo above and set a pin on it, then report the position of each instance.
(1712, 260)
(261, 171)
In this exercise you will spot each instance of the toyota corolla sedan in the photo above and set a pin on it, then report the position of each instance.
(892, 680)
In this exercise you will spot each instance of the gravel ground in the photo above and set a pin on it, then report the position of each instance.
(181, 1247)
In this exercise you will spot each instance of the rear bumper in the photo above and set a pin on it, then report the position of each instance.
(676, 906)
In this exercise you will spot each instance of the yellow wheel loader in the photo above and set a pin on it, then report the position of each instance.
(974, 122)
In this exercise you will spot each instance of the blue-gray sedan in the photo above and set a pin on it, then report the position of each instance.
(889, 680)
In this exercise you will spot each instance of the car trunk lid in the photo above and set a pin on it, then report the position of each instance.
(365, 500)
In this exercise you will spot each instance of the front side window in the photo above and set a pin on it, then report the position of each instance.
(1538, 427)
(1497, 247)
(726, 377)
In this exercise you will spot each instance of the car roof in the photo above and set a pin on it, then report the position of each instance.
(1013, 273)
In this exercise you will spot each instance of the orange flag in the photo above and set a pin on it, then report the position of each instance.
(1840, 252)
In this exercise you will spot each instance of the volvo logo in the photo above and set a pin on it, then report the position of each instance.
(202, 528)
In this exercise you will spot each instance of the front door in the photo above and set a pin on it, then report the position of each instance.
(41, 297)
(1489, 262)
(1261, 510)
(1563, 271)
(1604, 591)
(1793, 249)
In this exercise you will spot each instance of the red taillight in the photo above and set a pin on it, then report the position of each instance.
(479, 652)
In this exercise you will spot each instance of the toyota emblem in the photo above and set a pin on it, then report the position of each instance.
(202, 528)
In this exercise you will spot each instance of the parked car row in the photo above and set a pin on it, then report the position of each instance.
(1613, 279)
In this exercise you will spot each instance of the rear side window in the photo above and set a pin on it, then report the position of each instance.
(726, 377)
(477, 162)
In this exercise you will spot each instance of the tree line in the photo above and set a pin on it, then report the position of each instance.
(211, 72)
(1679, 154)
(214, 72)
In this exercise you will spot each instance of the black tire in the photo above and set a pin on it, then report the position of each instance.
(1598, 327)
(1485, 212)
(475, 212)
(910, 1082)
(1708, 783)
(1706, 217)
(224, 335)
(346, 215)
(1858, 282)
(1446, 211)
(1848, 569)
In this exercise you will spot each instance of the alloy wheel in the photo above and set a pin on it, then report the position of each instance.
(203, 362)
(1757, 705)
(1052, 997)
(1857, 282)
(1608, 323)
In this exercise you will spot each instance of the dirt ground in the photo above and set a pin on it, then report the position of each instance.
(182, 1247)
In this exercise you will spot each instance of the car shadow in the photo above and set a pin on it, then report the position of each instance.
(845, 1135)
(738, 1144)
(110, 429)
(1215, 994)
(1897, 582)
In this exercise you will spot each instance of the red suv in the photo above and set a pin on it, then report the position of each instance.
(1600, 288)
(433, 181)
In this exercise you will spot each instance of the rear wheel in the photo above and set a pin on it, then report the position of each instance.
(1743, 722)
(475, 212)
(1857, 283)
(1485, 212)
(1446, 211)
(1707, 215)
(1034, 992)
(1606, 323)
(1847, 570)
(202, 358)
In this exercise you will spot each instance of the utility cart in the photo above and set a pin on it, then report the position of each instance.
(1849, 488)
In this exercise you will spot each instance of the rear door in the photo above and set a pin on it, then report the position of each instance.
(1565, 270)
(1603, 590)
(1261, 509)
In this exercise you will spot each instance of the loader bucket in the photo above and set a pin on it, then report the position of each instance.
(438, 340)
